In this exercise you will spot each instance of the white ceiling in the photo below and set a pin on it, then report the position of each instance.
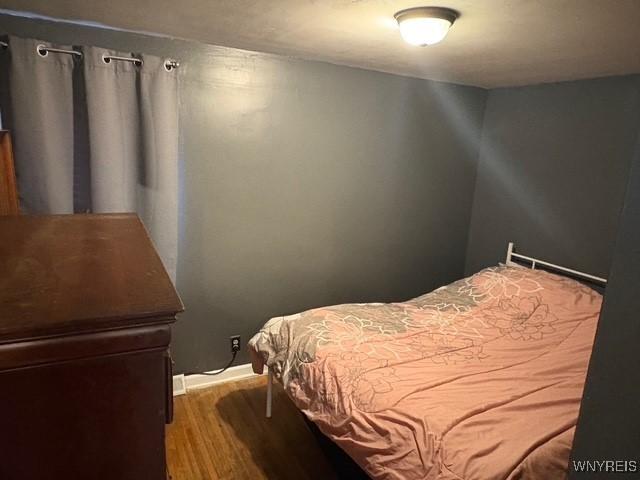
(494, 43)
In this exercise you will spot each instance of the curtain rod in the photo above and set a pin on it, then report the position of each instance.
(108, 58)
(43, 51)
(168, 64)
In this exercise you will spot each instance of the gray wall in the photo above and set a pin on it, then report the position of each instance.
(304, 184)
(609, 423)
(552, 171)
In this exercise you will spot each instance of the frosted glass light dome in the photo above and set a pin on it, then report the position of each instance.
(423, 26)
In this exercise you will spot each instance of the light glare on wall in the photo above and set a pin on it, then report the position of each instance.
(423, 26)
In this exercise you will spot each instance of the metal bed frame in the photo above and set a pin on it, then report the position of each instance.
(536, 261)
(511, 255)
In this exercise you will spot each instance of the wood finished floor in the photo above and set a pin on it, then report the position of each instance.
(221, 432)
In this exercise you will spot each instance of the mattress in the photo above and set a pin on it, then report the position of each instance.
(481, 379)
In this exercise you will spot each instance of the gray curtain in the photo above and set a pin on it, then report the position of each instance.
(42, 127)
(97, 135)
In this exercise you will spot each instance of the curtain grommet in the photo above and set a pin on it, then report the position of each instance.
(41, 49)
(170, 65)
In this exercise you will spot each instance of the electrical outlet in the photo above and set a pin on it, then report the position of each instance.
(235, 343)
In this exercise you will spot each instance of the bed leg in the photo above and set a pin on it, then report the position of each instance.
(269, 392)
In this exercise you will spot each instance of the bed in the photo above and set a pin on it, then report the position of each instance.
(480, 379)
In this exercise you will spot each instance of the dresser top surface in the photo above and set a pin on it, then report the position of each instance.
(68, 274)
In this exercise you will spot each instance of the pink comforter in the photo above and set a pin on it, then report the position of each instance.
(481, 379)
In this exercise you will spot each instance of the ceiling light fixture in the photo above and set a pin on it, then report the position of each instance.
(423, 26)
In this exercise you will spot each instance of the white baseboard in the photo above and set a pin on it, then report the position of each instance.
(191, 382)
(179, 385)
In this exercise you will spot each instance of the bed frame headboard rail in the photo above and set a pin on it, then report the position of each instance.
(536, 261)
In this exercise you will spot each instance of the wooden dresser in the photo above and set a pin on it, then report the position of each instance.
(86, 309)
(8, 188)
